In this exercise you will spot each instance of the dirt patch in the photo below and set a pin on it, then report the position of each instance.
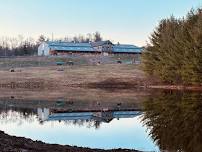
(118, 83)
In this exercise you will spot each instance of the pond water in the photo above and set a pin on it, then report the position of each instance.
(79, 129)
(167, 121)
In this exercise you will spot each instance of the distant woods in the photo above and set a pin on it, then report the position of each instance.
(20, 46)
(175, 50)
(17, 46)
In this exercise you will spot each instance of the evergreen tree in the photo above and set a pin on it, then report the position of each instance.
(175, 52)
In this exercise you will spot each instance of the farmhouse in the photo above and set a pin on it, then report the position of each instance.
(105, 47)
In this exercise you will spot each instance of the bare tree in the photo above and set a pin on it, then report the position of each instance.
(97, 37)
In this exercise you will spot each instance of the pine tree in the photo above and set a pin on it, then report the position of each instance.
(175, 52)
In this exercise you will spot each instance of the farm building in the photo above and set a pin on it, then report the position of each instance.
(105, 47)
(45, 114)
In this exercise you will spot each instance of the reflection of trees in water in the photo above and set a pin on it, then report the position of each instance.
(16, 115)
(175, 120)
(89, 123)
(20, 115)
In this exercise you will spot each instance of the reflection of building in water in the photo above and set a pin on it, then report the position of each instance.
(43, 114)
(47, 115)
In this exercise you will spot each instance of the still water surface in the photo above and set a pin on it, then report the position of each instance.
(168, 121)
(123, 132)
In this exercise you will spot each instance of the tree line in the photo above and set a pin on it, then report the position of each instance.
(175, 50)
(20, 46)
(17, 46)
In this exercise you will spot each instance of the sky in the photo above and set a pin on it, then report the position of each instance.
(124, 21)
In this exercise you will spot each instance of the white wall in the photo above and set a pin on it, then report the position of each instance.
(43, 49)
(43, 113)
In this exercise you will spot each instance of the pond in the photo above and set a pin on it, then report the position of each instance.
(166, 121)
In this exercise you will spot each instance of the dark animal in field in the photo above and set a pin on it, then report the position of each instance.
(119, 104)
(119, 62)
(70, 63)
(12, 70)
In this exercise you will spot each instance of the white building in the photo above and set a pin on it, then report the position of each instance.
(55, 48)
(44, 49)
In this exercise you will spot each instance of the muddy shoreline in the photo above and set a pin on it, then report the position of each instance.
(106, 84)
(16, 144)
(176, 87)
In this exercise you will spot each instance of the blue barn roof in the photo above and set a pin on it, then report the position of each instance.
(88, 47)
(70, 46)
(125, 48)
(91, 115)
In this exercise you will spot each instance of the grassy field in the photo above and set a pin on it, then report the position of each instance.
(77, 59)
(50, 75)
(59, 76)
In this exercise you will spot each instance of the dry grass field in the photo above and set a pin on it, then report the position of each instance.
(68, 76)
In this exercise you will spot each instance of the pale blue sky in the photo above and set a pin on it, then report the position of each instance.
(126, 21)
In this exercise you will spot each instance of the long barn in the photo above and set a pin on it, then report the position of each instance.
(105, 47)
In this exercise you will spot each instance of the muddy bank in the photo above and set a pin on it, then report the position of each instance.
(118, 83)
(109, 83)
(176, 87)
(16, 144)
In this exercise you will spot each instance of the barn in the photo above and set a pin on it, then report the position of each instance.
(126, 49)
(105, 47)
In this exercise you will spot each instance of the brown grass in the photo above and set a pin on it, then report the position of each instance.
(66, 76)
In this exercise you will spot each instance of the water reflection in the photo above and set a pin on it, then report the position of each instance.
(175, 121)
(172, 119)
(78, 112)
(60, 126)
(16, 115)
(87, 118)
(82, 117)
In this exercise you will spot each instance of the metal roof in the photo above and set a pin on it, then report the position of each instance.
(100, 43)
(125, 48)
(129, 46)
(91, 116)
(88, 47)
(70, 46)
(50, 43)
